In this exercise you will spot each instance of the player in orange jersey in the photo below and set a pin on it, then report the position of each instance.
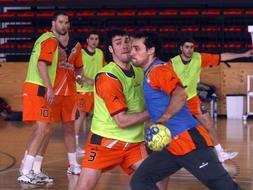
(64, 106)
(38, 97)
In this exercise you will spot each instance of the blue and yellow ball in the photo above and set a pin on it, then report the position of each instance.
(157, 137)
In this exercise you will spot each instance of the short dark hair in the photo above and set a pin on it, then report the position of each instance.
(111, 34)
(58, 13)
(92, 32)
(184, 40)
(151, 39)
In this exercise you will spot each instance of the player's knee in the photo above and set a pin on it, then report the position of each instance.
(85, 185)
(69, 129)
(224, 182)
(136, 181)
(43, 130)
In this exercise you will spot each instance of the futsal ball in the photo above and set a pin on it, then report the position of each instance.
(157, 137)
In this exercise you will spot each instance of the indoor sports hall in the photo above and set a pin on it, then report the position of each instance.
(218, 27)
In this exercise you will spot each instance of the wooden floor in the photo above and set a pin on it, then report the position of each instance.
(234, 136)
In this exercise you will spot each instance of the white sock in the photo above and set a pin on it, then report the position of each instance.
(72, 159)
(37, 164)
(28, 164)
(26, 152)
(218, 148)
(77, 140)
(22, 161)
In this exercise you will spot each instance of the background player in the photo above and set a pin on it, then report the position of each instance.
(38, 96)
(93, 61)
(64, 106)
(188, 66)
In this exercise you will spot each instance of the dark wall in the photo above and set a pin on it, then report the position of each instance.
(216, 26)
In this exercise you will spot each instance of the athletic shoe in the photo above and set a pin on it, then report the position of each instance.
(30, 179)
(44, 177)
(73, 169)
(223, 156)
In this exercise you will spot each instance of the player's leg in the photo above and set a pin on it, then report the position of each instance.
(88, 179)
(205, 119)
(35, 108)
(204, 164)
(208, 123)
(79, 123)
(139, 158)
(68, 110)
(39, 158)
(156, 167)
(27, 176)
(201, 114)
(85, 104)
(98, 158)
(70, 144)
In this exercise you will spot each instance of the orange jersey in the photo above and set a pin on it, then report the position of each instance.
(209, 60)
(110, 90)
(69, 59)
(48, 48)
(194, 138)
(164, 78)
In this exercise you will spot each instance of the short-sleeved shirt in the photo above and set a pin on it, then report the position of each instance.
(48, 48)
(209, 60)
(164, 78)
(69, 59)
(109, 88)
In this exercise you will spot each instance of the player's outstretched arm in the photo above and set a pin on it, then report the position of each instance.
(230, 56)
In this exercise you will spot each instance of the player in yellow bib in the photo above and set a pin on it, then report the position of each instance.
(117, 129)
(93, 61)
(188, 67)
(38, 96)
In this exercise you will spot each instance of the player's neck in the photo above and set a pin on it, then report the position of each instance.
(149, 62)
(185, 59)
(64, 39)
(91, 50)
(123, 65)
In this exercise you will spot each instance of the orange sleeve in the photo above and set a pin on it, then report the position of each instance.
(78, 60)
(48, 48)
(209, 60)
(110, 90)
(163, 77)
